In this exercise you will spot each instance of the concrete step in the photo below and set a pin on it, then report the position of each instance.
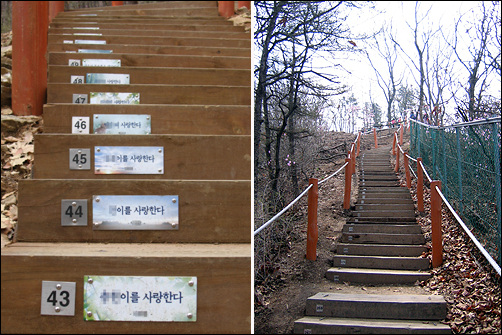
(380, 249)
(381, 228)
(378, 306)
(375, 276)
(381, 238)
(381, 262)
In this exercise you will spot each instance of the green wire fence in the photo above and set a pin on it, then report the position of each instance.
(466, 158)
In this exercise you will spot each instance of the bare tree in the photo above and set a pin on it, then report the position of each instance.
(387, 50)
(478, 61)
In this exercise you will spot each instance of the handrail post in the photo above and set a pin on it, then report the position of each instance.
(348, 181)
(420, 185)
(358, 143)
(375, 137)
(312, 232)
(407, 169)
(396, 169)
(437, 242)
(30, 23)
(394, 144)
(401, 135)
(226, 8)
(353, 157)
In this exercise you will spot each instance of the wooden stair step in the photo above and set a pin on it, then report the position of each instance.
(381, 262)
(386, 207)
(377, 306)
(376, 276)
(209, 211)
(381, 228)
(149, 50)
(323, 325)
(223, 274)
(155, 40)
(196, 157)
(157, 94)
(166, 119)
(157, 76)
(381, 249)
(405, 213)
(382, 238)
(153, 60)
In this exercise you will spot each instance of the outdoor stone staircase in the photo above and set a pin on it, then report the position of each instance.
(381, 243)
(192, 71)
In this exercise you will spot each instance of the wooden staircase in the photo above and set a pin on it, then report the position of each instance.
(381, 244)
(192, 72)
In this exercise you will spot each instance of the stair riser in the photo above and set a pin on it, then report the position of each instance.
(368, 262)
(381, 250)
(381, 228)
(366, 278)
(398, 239)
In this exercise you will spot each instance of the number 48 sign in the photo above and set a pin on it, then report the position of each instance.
(58, 298)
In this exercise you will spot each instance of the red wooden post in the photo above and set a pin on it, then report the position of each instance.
(401, 135)
(348, 181)
(374, 135)
(358, 144)
(117, 3)
(437, 236)
(30, 21)
(407, 169)
(396, 169)
(353, 157)
(226, 8)
(54, 8)
(394, 145)
(312, 232)
(246, 4)
(420, 185)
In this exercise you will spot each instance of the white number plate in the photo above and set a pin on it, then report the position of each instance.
(128, 160)
(122, 298)
(135, 212)
(58, 298)
(101, 62)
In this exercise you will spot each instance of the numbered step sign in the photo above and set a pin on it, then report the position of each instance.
(74, 62)
(87, 34)
(114, 98)
(95, 51)
(108, 78)
(122, 298)
(74, 212)
(101, 62)
(90, 42)
(58, 298)
(80, 125)
(80, 159)
(79, 98)
(122, 124)
(135, 212)
(77, 80)
(128, 160)
(95, 28)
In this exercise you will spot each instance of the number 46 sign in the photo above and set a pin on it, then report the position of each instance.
(58, 298)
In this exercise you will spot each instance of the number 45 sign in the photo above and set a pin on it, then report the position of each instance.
(58, 298)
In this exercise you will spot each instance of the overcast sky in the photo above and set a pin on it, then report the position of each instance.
(362, 77)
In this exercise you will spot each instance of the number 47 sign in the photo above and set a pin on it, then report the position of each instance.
(58, 298)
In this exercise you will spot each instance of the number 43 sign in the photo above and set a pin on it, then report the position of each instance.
(58, 298)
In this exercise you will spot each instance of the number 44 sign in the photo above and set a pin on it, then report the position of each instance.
(58, 298)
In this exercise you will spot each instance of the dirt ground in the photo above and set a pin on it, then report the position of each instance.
(282, 300)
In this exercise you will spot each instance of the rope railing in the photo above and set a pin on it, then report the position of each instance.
(312, 189)
(436, 218)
